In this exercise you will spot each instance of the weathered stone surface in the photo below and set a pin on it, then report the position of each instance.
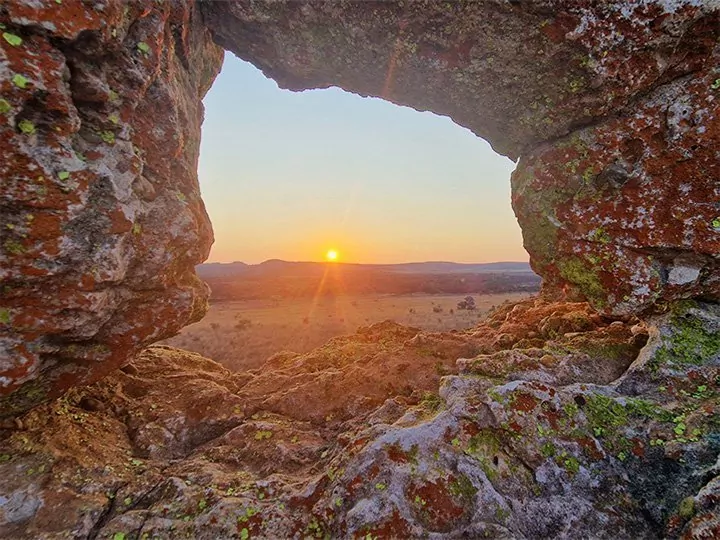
(102, 221)
(167, 448)
(626, 211)
(610, 105)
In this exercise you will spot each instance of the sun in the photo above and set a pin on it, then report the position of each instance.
(331, 255)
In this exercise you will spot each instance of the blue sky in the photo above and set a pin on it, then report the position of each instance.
(289, 175)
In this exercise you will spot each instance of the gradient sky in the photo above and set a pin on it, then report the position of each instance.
(289, 175)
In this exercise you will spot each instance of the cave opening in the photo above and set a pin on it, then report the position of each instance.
(289, 175)
(292, 178)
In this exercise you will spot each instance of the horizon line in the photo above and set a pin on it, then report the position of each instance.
(366, 264)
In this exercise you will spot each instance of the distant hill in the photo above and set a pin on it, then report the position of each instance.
(440, 267)
(283, 279)
(276, 267)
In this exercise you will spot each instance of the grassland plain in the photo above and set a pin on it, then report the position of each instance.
(243, 334)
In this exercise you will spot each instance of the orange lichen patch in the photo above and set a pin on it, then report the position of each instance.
(523, 402)
(514, 426)
(394, 527)
(46, 225)
(253, 525)
(452, 57)
(590, 448)
(434, 504)
(118, 222)
(470, 428)
(397, 454)
(553, 418)
(354, 485)
(17, 372)
(638, 448)
(359, 443)
(67, 18)
(558, 28)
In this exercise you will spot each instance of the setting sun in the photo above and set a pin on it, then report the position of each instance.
(331, 255)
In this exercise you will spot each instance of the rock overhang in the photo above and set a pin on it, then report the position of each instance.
(611, 107)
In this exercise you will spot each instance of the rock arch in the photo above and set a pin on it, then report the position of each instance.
(611, 107)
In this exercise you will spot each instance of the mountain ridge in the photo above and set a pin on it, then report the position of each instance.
(217, 269)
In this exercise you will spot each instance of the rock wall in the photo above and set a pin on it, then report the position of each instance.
(102, 221)
(611, 107)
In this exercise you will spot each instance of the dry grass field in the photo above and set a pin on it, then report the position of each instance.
(243, 334)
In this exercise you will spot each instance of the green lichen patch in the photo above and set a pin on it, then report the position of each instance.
(263, 435)
(26, 126)
(5, 106)
(4, 316)
(315, 529)
(686, 509)
(143, 48)
(690, 343)
(12, 39)
(432, 402)
(600, 235)
(539, 237)
(462, 488)
(568, 462)
(108, 137)
(14, 247)
(586, 279)
(483, 446)
(20, 81)
(609, 418)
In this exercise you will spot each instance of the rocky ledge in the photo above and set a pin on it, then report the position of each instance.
(556, 423)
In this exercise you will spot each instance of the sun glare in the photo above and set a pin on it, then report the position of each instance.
(331, 255)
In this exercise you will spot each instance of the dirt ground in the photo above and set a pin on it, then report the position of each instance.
(243, 334)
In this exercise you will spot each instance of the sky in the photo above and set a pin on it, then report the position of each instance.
(291, 175)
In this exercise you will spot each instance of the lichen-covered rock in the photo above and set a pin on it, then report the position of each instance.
(167, 448)
(102, 221)
(611, 107)
(625, 211)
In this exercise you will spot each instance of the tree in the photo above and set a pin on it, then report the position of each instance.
(468, 303)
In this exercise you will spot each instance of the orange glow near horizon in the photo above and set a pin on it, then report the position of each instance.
(331, 255)
(326, 170)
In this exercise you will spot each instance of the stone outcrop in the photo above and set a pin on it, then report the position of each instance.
(553, 419)
(553, 445)
(102, 221)
(611, 107)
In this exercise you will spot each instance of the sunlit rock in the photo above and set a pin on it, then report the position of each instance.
(102, 221)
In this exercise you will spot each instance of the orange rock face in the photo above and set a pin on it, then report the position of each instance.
(102, 221)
